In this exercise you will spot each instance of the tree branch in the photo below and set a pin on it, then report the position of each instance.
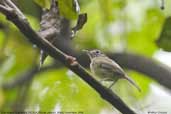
(105, 93)
(5, 10)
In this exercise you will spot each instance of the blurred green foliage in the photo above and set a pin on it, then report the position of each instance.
(164, 40)
(43, 3)
(67, 9)
(113, 25)
(64, 89)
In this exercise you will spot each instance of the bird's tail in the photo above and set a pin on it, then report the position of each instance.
(132, 82)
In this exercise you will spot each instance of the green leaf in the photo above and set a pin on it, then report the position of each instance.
(43, 3)
(164, 40)
(67, 9)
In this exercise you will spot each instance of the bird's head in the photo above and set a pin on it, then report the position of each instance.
(94, 53)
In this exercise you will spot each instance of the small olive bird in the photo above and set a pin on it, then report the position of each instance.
(106, 69)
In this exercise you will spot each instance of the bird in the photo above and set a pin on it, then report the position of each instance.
(107, 69)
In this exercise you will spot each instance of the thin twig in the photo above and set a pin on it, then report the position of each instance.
(162, 5)
(12, 5)
(5, 10)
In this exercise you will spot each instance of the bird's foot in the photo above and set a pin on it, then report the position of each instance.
(111, 85)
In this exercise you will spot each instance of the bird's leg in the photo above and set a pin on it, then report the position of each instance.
(114, 81)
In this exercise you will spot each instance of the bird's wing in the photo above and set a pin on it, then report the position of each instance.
(111, 66)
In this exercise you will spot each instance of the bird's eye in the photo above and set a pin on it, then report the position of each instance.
(97, 51)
